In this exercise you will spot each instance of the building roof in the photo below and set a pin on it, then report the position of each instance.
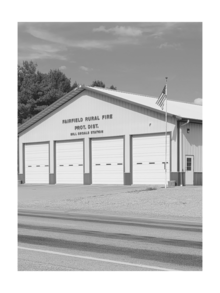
(179, 109)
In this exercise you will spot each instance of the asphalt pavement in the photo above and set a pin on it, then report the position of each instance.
(57, 241)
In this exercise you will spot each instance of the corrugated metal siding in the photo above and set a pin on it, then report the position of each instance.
(192, 144)
(127, 120)
(156, 119)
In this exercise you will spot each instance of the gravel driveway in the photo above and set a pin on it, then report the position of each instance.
(138, 201)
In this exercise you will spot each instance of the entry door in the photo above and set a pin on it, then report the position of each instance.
(189, 170)
(69, 162)
(107, 161)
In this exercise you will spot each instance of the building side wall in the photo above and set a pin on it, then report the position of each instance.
(192, 145)
(127, 120)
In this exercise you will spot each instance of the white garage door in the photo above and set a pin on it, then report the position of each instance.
(37, 163)
(69, 162)
(149, 159)
(107, 161)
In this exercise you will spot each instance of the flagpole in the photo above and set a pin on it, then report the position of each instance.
(166, 138)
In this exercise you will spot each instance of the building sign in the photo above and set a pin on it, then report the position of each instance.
(85, 129)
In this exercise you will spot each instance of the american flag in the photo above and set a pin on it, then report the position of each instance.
(161, 100)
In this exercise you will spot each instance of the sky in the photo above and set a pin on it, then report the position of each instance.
(133, 56)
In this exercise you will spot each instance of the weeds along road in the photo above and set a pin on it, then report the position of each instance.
(52, 241)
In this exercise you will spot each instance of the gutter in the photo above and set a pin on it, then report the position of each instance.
(185, 123)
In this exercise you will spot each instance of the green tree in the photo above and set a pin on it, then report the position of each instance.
(98, 83)
(37, 90)
(75, 85)
(27, 86)
(112, 87)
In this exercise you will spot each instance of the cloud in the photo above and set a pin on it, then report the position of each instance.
(43, 35)
(63, 67)
(84, 44)
(118, 35)
(86, 69)
(47, 48)
(87, 44)
(103, 44)
(158, 30)
(166, 46)
(40, 55)
(42, 51)
(198, 101)
(120, 31)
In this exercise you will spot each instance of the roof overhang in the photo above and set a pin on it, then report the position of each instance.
(183, 119)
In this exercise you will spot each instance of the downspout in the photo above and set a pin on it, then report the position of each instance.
(18, 157)
(181, 177)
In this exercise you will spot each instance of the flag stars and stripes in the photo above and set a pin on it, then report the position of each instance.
(161, 100)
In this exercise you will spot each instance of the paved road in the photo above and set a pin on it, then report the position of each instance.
(66, 242)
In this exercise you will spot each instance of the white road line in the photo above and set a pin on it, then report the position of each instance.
(96, 259)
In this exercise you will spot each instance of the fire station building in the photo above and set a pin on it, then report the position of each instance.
(102, 136)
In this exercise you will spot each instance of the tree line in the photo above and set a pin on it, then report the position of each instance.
(37, 90)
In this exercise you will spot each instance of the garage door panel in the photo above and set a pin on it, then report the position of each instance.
(37, 176)
(107, 161)
(37, 163)
(149, 159)
(69, 162)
